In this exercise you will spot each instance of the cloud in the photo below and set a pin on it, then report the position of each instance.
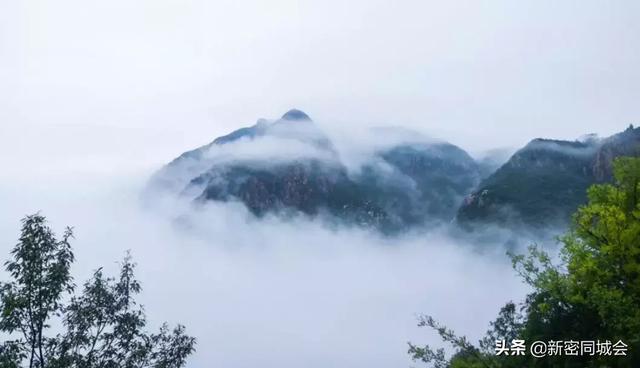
(265, 151)
(270, 292)
(575, 148)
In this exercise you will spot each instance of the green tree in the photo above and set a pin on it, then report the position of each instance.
(103, 326)
(593, 293)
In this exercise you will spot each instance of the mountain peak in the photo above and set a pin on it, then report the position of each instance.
(296, 115)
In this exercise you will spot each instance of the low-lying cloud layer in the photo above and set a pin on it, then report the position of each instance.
(268, 292)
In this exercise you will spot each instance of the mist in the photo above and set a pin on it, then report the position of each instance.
(267, 291)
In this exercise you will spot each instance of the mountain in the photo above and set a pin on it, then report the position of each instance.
(491, 160)
(542, 184)
(289, 166)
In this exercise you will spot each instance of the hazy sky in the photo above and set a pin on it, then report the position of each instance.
(154, 77)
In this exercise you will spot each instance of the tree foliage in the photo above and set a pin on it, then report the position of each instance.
(101, 326)
(591, 293)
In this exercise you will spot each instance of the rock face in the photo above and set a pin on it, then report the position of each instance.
(542, 184)
(626, 143)
(411, 183)
(310, 187)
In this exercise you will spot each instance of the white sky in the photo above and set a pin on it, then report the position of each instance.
(152, 78)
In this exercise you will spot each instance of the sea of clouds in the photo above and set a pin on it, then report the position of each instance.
(269, 292)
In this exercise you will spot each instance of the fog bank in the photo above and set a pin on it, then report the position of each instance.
(268, 293)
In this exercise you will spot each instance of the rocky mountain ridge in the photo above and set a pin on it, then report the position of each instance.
(289, 166)
(543, 183)
(412, 183)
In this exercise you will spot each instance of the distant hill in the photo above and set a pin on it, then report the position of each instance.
(412, 183)
(542, 184)
(288, 166)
